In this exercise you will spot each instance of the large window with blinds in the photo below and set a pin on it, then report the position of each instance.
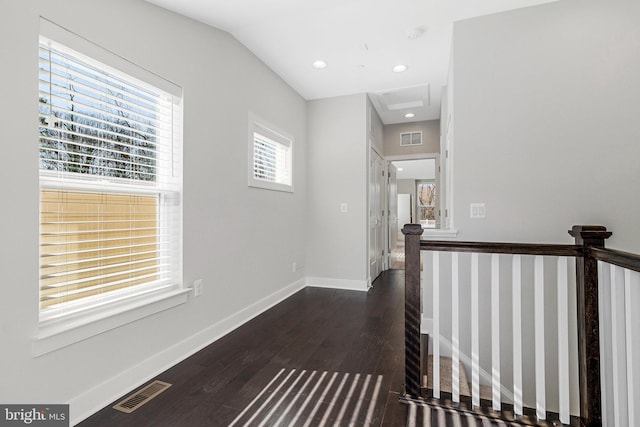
(110, 184)
(270, 157)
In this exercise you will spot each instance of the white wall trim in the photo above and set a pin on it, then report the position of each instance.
(445, 350)
(86, 404)
(324, 282)
(56, 335)
(420, 156)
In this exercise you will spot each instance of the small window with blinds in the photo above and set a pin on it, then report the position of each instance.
(110, 184)
(270, 158)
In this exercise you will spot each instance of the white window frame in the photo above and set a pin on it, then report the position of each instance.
(271, 133)
(84, 318)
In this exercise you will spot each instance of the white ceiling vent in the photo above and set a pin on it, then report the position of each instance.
(411, 138)
(393, 104)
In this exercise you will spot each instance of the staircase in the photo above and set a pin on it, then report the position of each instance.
(540, 300)
(445, 379)
(446, 367)
(427, 411)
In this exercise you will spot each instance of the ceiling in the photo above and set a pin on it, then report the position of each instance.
(361, 41)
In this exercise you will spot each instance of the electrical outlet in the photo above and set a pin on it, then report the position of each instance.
(198, 288)
(294, 267)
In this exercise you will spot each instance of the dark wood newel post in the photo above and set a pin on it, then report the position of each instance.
(412, 233)
(588, 322)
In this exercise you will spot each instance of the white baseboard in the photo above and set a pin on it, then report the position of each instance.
(324, 282)
(426, 325)
(91, 401)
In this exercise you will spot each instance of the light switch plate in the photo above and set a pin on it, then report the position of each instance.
(478, 210)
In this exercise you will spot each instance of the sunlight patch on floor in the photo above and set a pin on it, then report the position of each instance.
(312, 398)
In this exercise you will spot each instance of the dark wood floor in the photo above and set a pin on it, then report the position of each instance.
(321, 330)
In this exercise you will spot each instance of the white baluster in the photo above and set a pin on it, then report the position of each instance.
(631, 284)
(516, 277)
(455, 330)
(436, 324)
(618, 346)
(541, 412)
(563, 341)
(495, 330)
(605, 340)
(475, 333)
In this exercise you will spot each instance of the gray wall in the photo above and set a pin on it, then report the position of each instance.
(337, 173)
(545, 132)
(546, 128)
(430, 138)
(241, 241)
(407, 186)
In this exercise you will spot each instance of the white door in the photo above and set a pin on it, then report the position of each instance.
(392, 197)
(375, 215)
(404, 212)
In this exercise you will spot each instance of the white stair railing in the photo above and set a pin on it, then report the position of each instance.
(523, 318)
(619, 294)
(495, 318)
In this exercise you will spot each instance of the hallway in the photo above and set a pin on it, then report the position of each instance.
(317, 330)
(396, 256)
(321, 357)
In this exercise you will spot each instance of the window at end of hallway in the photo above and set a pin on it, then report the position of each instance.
(427, 203)
(270, 157)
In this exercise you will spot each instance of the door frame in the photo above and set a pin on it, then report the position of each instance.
(389, 202)
(387, 226)
(382, 199)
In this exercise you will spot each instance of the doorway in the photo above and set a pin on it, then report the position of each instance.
(409, 205)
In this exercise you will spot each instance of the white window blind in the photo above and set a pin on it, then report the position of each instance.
(271, 158)
(110, 184)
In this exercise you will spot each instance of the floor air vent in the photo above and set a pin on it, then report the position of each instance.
(142, 396)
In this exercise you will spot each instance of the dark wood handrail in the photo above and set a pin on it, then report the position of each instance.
(503, 248)
(621, 259)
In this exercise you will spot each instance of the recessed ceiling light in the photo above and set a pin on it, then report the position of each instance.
(399, 169)
(409, 115)
(319, 64)
(400, 68)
